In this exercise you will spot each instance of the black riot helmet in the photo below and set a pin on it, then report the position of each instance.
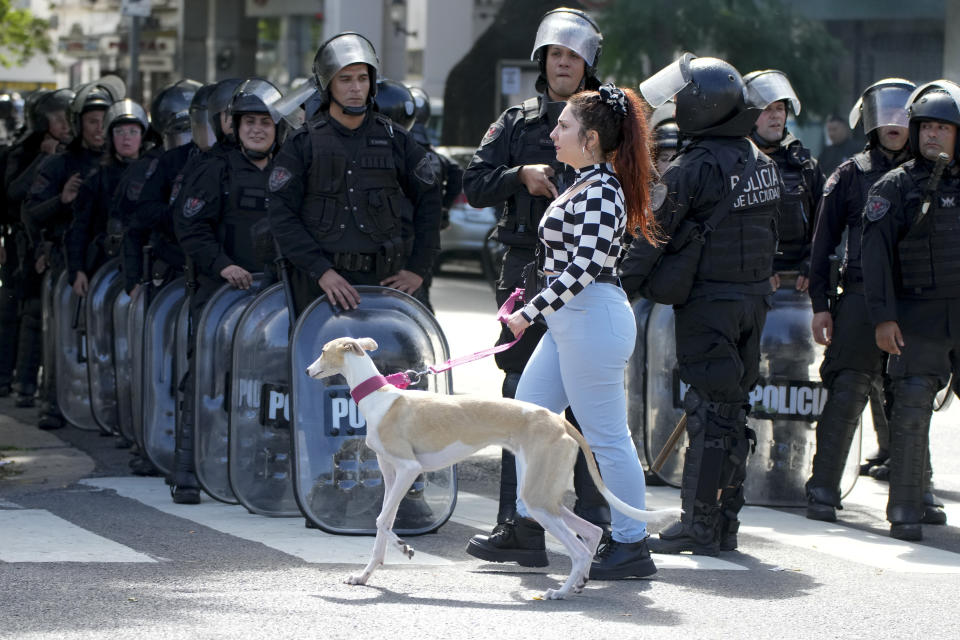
(343, 50)
(421, 105)
(218, 102)
(396, 102)
(97, 95)
(201, 128)
(575, 30)
(882, 104)
(710, 96)
(170, 112)
(46, 103)
(666, 136)
(124, 111)
(937, 101)
(256, 96)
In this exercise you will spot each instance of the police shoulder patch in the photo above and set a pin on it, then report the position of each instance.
(424, 172)
(153, 167)
(876, 208)
(278, 178)
(192, 206)
(658, 196)
(831, 183)
(492, 133)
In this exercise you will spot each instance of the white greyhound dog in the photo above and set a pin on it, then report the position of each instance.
(416, 431)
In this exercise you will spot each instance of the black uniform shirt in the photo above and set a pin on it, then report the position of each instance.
(42, 208)
(92, 207)
(288, 184)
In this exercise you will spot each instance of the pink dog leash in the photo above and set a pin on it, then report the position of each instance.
(404, 379)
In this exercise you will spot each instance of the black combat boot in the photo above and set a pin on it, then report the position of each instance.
(822, 503)
(616, 560)
(933, 512)
(701, 538)
(520, 541)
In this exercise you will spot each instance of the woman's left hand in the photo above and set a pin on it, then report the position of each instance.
(517, 323)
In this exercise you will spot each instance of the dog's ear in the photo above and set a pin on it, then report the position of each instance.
(353, 347)
(368, 344)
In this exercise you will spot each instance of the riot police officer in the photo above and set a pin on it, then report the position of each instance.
(516, 170)
(105, 197)
(47, 208)
(852, 363)
(47, 131)
(354, 199)
(150, 222)
(910, 242)
(222, 206)
(770, 90)
(721, 191)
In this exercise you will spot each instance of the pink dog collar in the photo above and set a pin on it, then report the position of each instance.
(367, 387)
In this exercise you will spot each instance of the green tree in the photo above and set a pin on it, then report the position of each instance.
(642, 37)
(22, 35)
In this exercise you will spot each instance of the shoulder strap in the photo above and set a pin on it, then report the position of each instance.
(722, 210)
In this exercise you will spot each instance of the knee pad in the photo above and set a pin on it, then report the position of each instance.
(915, 393)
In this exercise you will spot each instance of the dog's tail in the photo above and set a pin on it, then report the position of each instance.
(655, 518)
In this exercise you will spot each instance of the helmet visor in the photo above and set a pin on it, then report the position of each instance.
(203, 134)
(289, 107)
(668, 82)
(569, 30)
(885, 107)
(342, 51)
(667, 112)
(768, 87)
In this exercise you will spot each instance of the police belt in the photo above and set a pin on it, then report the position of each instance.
(853, 285)
(360, 262)
(602, 278)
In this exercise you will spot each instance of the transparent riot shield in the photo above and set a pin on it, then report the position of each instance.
(48, 327)
(123, 364)
(73, 387)
(158, 403)
(259, 465)
(635, 381)
(136, 315)
(786, 403)
(213, 357)
(180, 364)
(105, 286)
(336, 476)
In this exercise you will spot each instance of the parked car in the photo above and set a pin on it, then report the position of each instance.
(466, 235)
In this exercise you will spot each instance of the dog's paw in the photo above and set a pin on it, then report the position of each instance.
(555, 594)
(356, 578)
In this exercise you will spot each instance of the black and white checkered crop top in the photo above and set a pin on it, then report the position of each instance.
(581, 237)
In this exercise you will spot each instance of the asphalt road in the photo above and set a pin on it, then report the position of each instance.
(88, 551)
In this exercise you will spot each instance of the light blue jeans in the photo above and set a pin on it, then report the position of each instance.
(580, 362)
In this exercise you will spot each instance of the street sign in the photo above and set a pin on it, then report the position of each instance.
(136, 8)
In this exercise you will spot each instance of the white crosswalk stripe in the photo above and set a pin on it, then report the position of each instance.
(32, 535)
(35, 535)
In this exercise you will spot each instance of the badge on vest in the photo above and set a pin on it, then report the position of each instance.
(877, 207)
(133, 191)
(378, 142)
(192, 207)
(492, 134)
(278, 177)
(948, 202)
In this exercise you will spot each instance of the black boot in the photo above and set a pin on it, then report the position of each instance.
(520, 541)
(616, 560)
(909, 442)
(185, 495)
(822, 503)
(874, 460)
(933, 512)
(700, 539)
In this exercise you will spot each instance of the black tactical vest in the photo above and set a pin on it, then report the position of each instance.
(742, 246)
(796, 208)
(522, 213)
(245, 196)
(353, 202)
(930, 255)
